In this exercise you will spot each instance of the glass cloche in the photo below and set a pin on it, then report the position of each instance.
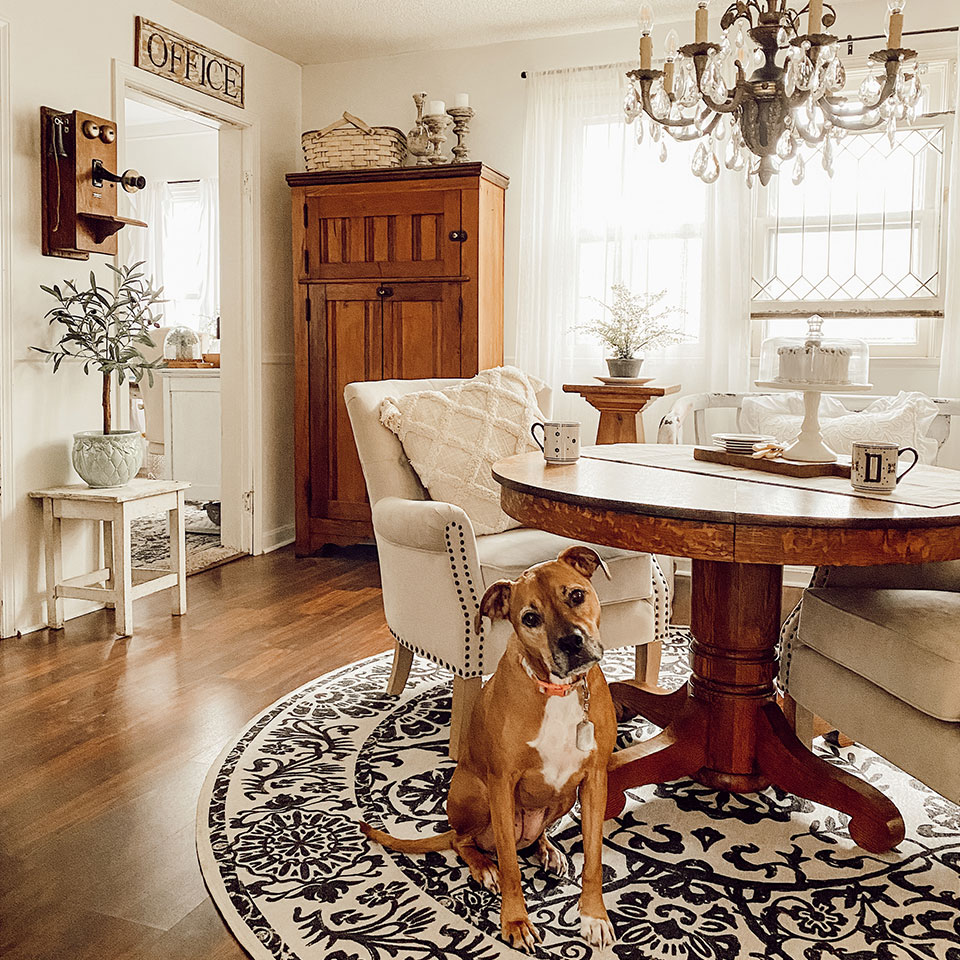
(181, 344)
(834, 362)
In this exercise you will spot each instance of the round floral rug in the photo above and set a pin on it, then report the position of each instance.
(690, 873)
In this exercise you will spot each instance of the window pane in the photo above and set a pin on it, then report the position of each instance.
(872, 232)
(884, 329)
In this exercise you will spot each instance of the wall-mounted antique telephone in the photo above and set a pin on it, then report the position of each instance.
(79, 187)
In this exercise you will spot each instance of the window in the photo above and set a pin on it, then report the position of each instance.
(184, 263)
(650, 240)
(865, 247)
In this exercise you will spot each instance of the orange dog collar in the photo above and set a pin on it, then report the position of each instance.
(550, 689)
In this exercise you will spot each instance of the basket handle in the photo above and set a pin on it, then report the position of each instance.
(347, 118)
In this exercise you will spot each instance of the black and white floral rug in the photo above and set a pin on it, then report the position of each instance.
(690, 873)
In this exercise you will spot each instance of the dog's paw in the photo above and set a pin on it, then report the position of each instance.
(520, 934)
(551, 859)
(597, 931)
(488, 877)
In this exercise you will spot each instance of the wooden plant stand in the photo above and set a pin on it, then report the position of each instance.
(620, 406)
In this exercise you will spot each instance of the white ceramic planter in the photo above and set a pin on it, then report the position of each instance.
(109, 460)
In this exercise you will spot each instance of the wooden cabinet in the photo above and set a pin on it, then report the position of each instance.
(398, 274)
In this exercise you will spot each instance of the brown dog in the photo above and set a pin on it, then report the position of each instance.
(542, 728)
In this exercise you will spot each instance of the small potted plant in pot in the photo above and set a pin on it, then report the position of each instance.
(631, 324)
(104, 330)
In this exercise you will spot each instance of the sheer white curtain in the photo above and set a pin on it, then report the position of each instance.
(209, 239)
(146, 243)
(598, 209)
(950, 353)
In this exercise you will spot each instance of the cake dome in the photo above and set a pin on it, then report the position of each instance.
(814, 360)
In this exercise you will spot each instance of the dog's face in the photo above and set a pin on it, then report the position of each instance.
(554, 611)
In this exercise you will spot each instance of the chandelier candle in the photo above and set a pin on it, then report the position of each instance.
(765, 93)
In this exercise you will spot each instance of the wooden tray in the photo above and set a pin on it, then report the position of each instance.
(787, 468)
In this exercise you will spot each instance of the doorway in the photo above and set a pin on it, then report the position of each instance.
(186, 415)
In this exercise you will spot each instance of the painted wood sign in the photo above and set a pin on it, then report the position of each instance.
(167, 54)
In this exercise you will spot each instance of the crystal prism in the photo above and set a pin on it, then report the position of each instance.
(663, 151)
(712, 170)
(828, 156)
(805, 73)
(699, 162)
(892, 131)
(870, 91)
(799, 169)
(786, 145)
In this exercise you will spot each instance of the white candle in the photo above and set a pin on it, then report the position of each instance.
(435, 107)
(461, 100)
(701, 23)
(815, 20)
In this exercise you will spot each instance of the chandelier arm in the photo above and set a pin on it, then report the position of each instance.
(648, 110)
(734, 102)
(687, 135)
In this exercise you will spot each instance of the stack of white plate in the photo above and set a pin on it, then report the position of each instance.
(739, 442)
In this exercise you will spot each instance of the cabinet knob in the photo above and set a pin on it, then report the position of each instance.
(458, 236)
(384, 291)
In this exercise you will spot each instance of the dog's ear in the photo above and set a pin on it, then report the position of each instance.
(584, 560)
(495, 603)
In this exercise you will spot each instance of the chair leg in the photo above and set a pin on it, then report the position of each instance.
(465, 693)
(647, 663)
(402, 658)
(801, 720)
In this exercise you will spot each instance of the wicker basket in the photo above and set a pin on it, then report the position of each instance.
(349, 143)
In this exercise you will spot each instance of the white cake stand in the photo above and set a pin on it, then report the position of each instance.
(809, 446)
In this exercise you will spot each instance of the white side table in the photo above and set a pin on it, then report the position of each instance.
(117, 583)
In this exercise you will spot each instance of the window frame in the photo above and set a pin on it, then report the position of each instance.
(928, 311)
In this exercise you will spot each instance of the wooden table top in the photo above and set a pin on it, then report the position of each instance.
(655, 506)
(137, 489)
(614, 389)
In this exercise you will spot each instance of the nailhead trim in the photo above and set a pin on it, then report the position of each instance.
(469, 601)
(789, 632)
(431, 656)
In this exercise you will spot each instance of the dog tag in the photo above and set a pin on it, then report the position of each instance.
(585, 738)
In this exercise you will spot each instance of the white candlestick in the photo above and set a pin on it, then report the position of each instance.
(436, 107)
(461, 100)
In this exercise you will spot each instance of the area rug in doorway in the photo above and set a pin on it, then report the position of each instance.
(150, 541)
(690, 873)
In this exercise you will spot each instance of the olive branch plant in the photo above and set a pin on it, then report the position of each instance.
(633, 322)
(106, 327)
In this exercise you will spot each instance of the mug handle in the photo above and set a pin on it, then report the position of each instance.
(916, 457)
(534, 435)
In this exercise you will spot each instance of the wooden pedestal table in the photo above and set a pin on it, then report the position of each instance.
(620, 406)
(117, 583)
(724, 727)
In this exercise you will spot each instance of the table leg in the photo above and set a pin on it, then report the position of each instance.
(106, 529)
(122, 571)
(53, 552)
(178, 555)
(730, 733)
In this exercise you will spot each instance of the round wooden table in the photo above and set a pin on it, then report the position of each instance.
(724, 728)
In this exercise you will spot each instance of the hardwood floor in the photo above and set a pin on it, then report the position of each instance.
(104, 744)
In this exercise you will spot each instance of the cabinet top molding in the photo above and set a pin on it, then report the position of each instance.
(373, 174)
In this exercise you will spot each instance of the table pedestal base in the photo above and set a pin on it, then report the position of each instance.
(724, 728)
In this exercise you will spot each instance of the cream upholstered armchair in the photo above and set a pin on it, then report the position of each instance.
(434, 570)
(876, 652)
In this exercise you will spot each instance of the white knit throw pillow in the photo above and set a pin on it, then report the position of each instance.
(452, 437)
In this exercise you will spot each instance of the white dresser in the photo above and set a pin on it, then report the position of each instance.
(191, 428)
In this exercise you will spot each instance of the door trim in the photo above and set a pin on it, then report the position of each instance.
(8, 537)
(242, 467)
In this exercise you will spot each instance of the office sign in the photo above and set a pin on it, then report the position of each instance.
(167, 54)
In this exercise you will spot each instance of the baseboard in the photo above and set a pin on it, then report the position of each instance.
(278, 537)
(793, 576)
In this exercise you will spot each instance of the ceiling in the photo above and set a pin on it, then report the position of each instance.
(330, 31)
(155, 119)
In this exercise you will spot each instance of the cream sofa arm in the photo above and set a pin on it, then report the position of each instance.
(418, 524)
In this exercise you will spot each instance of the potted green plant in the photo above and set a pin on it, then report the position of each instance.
(631, 324)
(104, 329)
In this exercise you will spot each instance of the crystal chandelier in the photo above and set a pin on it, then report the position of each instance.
(757, 113)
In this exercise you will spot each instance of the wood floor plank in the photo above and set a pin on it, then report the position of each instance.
(106, 742)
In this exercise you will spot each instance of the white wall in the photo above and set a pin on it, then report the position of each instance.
(61, 56)
(179, 156)
(378, 90)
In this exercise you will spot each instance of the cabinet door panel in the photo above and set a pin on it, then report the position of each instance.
(421, 331)
(382, 235)
(345, 345)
